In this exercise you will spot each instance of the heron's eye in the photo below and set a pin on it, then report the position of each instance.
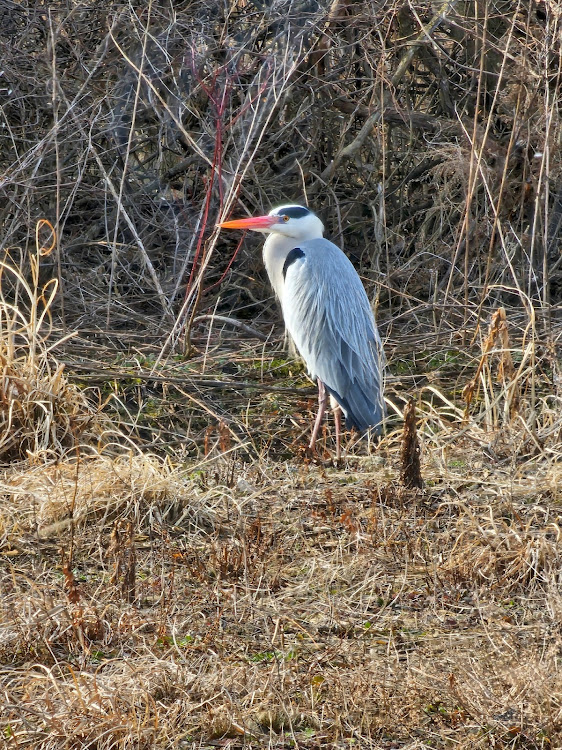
(285, 219)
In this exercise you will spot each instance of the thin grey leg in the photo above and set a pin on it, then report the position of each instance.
(322, 399)
(337, 419)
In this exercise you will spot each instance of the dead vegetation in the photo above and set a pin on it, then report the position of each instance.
(410, 469)
(308, 607)
(174, 572)
(41, 412)
(428, 137)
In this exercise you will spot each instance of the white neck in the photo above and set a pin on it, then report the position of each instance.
(275, 250)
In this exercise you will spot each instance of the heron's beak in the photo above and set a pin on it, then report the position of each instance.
(254, 222)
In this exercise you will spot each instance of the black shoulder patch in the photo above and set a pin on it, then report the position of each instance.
(292, 256)
(294, 212)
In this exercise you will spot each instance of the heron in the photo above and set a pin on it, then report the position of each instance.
(328, 315)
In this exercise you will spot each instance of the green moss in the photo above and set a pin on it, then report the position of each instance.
(457, 463)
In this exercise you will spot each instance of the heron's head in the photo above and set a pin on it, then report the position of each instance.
(293, 221)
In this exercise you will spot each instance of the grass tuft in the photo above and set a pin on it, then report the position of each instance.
(41, 413)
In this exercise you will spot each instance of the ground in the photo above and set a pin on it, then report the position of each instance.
(243, 595)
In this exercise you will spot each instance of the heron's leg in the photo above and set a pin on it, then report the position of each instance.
(337, 420)
(322, 399)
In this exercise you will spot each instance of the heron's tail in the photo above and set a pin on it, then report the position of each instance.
(362, 412)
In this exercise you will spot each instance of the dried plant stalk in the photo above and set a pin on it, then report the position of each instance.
(39, 409)
(506, 372)
(410, 465)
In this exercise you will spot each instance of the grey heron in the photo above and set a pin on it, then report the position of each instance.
(327, 313)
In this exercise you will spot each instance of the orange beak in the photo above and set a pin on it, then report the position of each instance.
(254, 222)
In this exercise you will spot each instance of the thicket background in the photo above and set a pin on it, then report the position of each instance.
(426, 135)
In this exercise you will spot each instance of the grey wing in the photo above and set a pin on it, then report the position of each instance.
(327, 312)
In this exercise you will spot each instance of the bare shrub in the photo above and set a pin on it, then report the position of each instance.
(426, 139)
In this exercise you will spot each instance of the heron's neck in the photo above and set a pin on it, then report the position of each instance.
(275, 250)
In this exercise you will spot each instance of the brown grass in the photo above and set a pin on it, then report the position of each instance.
(266, 602)
(317, 609)
(174, 571)
(40, 411)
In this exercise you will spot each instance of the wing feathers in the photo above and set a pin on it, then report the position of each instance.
(328, 314)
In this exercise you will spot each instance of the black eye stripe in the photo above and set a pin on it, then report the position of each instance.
(294, 212)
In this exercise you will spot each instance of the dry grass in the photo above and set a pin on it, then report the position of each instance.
(250, 599)
(294, 604)
(40, 411)
(174, 572)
